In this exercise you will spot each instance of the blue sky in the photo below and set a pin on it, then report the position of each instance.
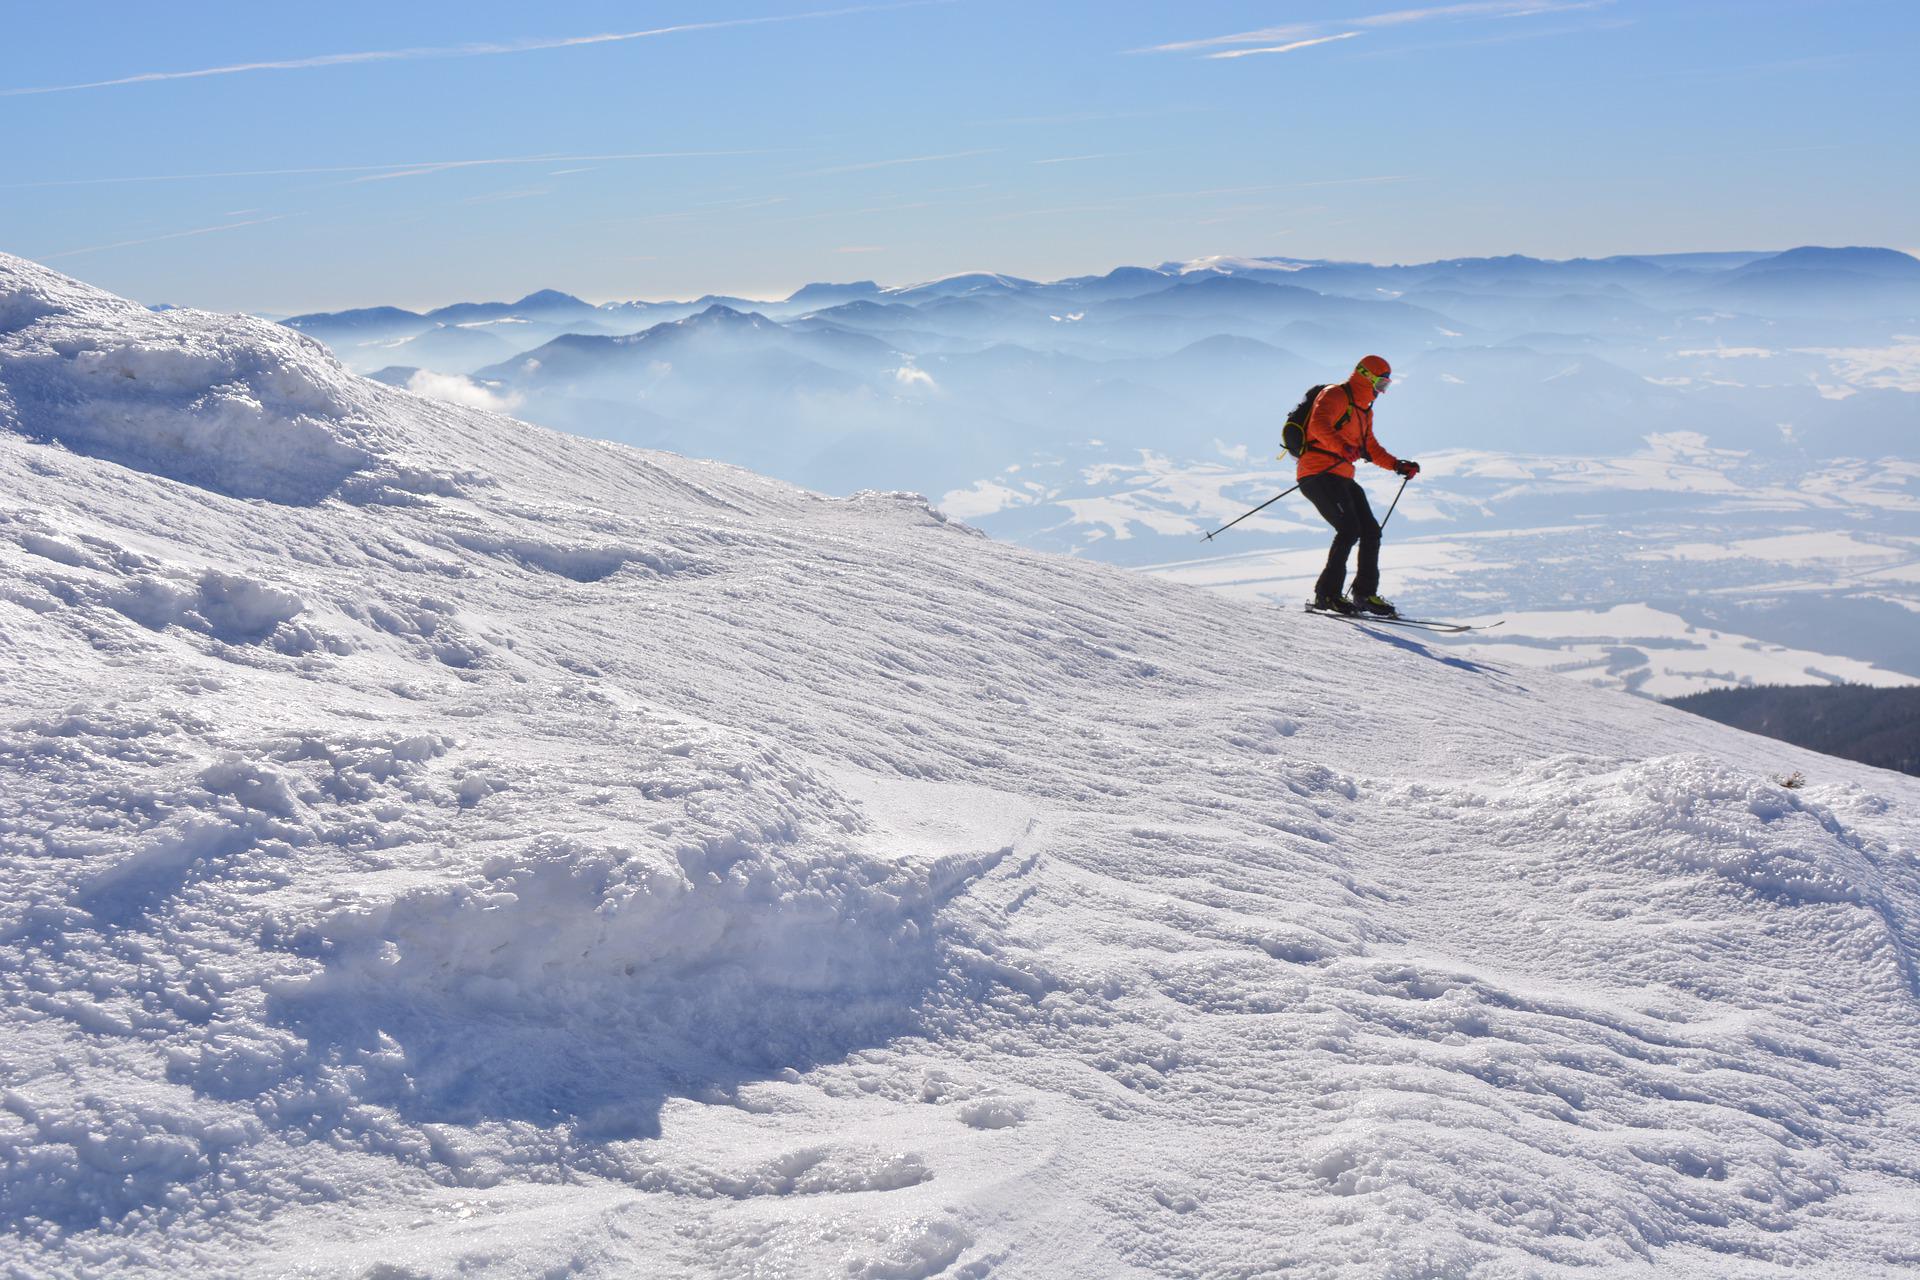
(283, 158)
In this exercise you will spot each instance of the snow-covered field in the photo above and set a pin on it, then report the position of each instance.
(437, 846)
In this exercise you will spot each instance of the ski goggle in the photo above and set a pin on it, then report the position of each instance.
(1378, 380)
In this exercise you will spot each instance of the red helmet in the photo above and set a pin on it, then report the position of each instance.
(1375, 365)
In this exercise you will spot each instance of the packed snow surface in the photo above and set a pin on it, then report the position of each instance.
(437, 846)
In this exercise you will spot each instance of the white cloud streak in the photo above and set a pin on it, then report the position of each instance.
(1285, 39)
(1285, 48)
(442, 166)
(171, 235)
(1295, 31)
(409, 169)
(888, 164)
(1478, 9)
(461, 51)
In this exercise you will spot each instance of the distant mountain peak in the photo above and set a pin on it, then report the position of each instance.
(1850, 258)
(551, 298)
(965, 284)
(719, 313)
(355, 316)
(821, 291)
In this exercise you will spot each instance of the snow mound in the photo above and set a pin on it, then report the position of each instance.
(754, 937)
(1676, 815)
(901, 500)
(228, 403)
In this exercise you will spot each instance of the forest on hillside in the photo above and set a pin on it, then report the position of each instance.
(1854, 721)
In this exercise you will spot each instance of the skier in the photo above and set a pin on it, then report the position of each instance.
(1339, 430)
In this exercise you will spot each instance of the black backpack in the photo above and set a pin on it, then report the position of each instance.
(1293, 435)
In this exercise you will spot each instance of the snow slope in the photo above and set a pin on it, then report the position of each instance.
(433, 845)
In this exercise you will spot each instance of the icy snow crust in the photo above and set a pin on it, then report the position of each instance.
(433, 845)
(225, 402)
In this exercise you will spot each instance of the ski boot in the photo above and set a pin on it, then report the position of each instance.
(1378, 606)
(1333, 604)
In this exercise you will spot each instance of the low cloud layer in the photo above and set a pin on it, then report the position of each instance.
(453, 388)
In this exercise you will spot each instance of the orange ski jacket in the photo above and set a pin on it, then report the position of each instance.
(1340, 430)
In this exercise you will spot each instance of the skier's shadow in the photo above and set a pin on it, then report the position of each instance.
(1411, 645)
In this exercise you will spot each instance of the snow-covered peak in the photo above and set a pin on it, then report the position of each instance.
(961, 285)
(231, 403)
(1226, 264)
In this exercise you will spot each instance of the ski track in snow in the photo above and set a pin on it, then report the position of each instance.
(433, 845)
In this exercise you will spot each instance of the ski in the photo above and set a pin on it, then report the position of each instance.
(1420, 624)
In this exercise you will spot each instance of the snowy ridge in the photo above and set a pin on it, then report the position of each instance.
(222, 401)
(433, 845)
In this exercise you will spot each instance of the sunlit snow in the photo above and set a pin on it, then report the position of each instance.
(438, 846)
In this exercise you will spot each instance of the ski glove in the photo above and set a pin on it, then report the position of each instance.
(1408, 468)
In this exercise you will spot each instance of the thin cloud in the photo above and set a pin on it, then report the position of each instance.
(889, 164)
(171, 235)
(463, 50)
(1285, 48)
(1294, 31)
(1478, 9)
(1285, 39)
(454, 388)
(389, 172)
(1102, 155)
(412, 168)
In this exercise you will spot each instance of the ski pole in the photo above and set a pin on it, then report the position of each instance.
(1237, 519)
(1396, 502)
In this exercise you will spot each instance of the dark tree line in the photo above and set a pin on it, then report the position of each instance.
(1853, 721)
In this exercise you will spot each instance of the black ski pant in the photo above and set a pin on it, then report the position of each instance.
(1343, 503)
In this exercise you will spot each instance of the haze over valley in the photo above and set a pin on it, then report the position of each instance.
(1668, 472)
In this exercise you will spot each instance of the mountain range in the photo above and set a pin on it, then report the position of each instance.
(1492, 352)
(1120, 416)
